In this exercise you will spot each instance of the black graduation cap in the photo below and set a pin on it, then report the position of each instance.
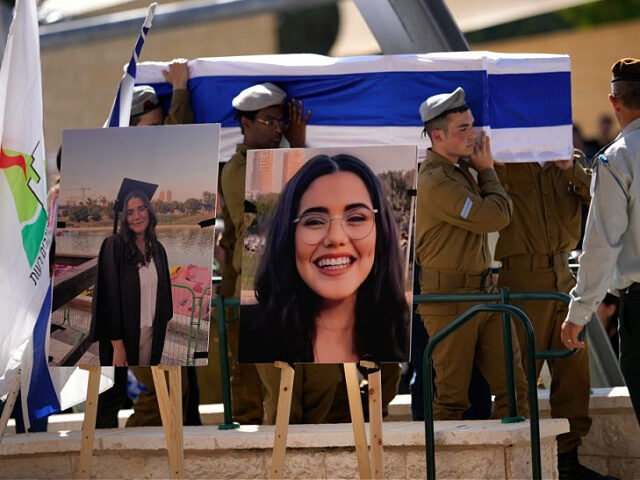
(127, 186)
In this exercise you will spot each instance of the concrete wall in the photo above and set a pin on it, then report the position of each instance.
(80, 81)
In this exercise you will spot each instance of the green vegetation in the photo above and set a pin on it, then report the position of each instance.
(100, 212)
(308, 30)
(583, 16)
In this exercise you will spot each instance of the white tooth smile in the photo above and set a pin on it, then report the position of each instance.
(334, 263)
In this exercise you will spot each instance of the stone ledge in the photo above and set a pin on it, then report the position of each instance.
(313, 452)
(600, 399)
(399, 409)
(395, 434)
(488, 462)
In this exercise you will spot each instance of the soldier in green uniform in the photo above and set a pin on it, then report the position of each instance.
(455, 214)
(260, 112)
(533, 248)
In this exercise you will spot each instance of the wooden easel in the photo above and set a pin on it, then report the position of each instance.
(9, 403)
(169, 403)
(357, 419)
(374, 375)
(89, 424)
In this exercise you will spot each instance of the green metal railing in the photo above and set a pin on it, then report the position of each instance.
(220, 304)
(195, 318)
(193, 307)
(206, 292)
(66, 323)
(504, 297)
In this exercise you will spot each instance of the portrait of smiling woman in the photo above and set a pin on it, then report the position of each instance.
(132, 297)
(330, 283)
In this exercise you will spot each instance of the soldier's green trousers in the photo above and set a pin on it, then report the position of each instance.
(146, 412)
(314, 389)
(570, 377)
(479, 340)
(320, 392)
(246, 386)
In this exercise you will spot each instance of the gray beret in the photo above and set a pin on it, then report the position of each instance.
(436, 105)
(144, 100)
(258, 97)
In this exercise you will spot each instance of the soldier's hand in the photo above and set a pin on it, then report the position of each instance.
(563, 164)
(296, 132)
(481, 158)
(569, 335)
(178, 74)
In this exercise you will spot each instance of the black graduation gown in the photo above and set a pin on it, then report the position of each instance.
(116, 302)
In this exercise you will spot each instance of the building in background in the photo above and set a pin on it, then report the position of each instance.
(81, 71)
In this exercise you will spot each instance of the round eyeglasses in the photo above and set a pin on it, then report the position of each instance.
(357, 223)
(273, 123)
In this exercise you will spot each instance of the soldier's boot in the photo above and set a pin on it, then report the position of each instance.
(569, 468)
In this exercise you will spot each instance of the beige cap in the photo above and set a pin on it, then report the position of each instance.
(258, 97)
(144, 100)
(436, 105)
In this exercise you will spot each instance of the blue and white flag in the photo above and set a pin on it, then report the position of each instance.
(522, 100)
(26, 226)
(121, 108)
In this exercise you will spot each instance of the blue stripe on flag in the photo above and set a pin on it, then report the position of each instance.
(42, 399)
(393, 98)
(362, 99)
(536, 99)
(114, 118)
(131, 68)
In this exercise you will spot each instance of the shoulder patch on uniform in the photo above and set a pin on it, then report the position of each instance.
(437, 173)
(466, 208)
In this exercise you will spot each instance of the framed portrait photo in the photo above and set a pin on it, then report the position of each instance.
(327, 266)
(133, 265)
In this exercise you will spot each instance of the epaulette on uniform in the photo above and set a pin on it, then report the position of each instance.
(601, 159)
(436, 173)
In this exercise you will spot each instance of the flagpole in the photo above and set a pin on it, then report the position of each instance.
(121, 108)
(9, 404)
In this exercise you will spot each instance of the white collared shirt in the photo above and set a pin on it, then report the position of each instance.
(611, 246)
(148, 293)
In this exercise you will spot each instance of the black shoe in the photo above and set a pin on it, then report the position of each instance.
(569, 468)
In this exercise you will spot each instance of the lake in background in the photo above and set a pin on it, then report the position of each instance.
(183, 245)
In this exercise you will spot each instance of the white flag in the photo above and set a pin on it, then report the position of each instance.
(26, 232)
(25, 228)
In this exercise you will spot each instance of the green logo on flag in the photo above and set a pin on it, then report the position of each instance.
(18, 168)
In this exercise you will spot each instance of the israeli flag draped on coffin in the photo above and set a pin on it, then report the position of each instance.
(522, 100)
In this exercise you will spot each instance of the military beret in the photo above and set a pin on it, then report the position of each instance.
(144, 100)
(258, 97)
(627, 69)
(437, 105)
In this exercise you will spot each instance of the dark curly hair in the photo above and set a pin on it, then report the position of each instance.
(134, 255)
(290, 306)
